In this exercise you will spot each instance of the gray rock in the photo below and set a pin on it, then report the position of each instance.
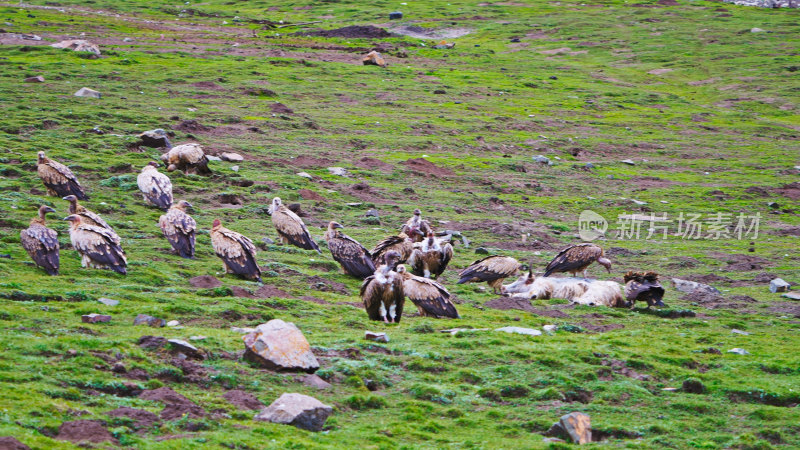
(36, 79)
(338, 171)
(155, 139)
(778, 285)
(520, 330)
(550, 329)
(314, 381)
(743, 333)
(213, 158)
(638, 202)
(144, 319)
(541, 159)
(279, 345)
(298, 410)
(756, 30)
(578, 426)
(739, 351)
(372, 213)
(108, 301)
(173, 323)
(235, 168)
(610, 177)
(693, 286)
(186, 348)
(231, 157)
(589, 166)
(242, 330)
(267, 241)
(395, 15)
(792, 295)
(774, 205)
(375, 336)
(95, 318)
(481, 251)
(86, 92)
(628, 162)
(304, 175)
(78, 45)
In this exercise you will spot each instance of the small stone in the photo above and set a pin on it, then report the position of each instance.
(689, 287)
(693, 386)
(231, 157)
(186, 348)
(520, 330)
(589, 166)
(610, 177)
(779, 285)
(372, 213)
(375, 336)
(108, 301)
(95, 318)
(638, 202)
(774, 205)
(739, 351)
(481, 251)
(353, 205)
(628, 162)
(314, 381)
(86, 92)
(127, 39)
(279, 345)
(338, 171)
(267, 241)
(304, 175)
(155, 139)
(756, 30)
(743, 333)
(197, 338)
(792, 295)
(213, 158)
(395, 15)
(373, 58)
(36, 79)
(144, 319)
(550, 329)
(235, 168)
(578, 427)
(298, 410)
(242, 330)
(78, 45)
(173, 323)
(541, 159)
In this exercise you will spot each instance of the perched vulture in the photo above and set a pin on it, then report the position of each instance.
(290, 227)
(416, 228)
(58, 179)
(492, 269)
(236, 251)
(643, 287)
(41, 242)
(430, 297)
(382, 292)
(96, 246)
(155, 186)
(88, 217)
(188, 158)
(401, 244)
(179, 228)
(354, 258)
(576, 258)
(431, 258)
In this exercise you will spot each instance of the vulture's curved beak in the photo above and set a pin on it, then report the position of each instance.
(336, 225)
(50, 210)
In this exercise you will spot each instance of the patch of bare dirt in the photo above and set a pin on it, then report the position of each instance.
(741, 262)
(243, 400)
(270, 291)
(175, 404)
(372, 163)
(791, 231)
(77, 431)
(322, 284)
(141, 418)
(711, 300)
(191, 126)
(600, 327)
(790, 191)
(508, 303)
(430, 33)
(367, 193)
(241, 292)
(280, 108)
(207, 85)
(351, 32)
(9, 442)
(307, 162)
(423, 166)
(789, 308)
(648, 182)
(713, 278)
(205, 282)
(307, 194)
(316, 300)
(616, 366)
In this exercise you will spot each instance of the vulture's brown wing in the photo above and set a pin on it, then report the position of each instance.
(384, 246)
(91, 218)
(291, 226)
(573, 258)
(372, 294)
(447, 255)
(431, 296)
(179, 229)
(60, 179)
(41, 243)
(399, 297)
(237, 251)
(98, 244)
(416, 262)
(354, 257)
(489, 269)
(157, 188)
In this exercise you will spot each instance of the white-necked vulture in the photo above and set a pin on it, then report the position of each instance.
(576, 258)
(492, 269)
(179, 229)
(290, 227)
(89, 217)
(382, 293)
(430, 297)
(401, 244)
(96, 245)
(354, 258)
(155, 186)
(188, 158)
(416, 228)
(643, 287)
(430, 259)
(58, 179)
(236, 251)
(41, 242)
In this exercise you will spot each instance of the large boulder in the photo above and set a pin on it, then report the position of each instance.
(576, 426)
(298, 410)
(279, 345)
(155, 138)
(86, 92)
(779, 285)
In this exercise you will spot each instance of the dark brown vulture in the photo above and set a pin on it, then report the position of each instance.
(492, 269)
(58, 179)
(41, 242)
(155, 186)
(430, 297)
(401, 244)
(96, 246)
(382, 292)
(88, 217)
(188, 158)
(290, 227)
(576, 258)
(643, 287)
(354, 258)
(431, 258)
(179, 229)
(236, 251)
(416, 228)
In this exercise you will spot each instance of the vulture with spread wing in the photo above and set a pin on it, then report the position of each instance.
(401, 244)
(576, 258)
(41, 242)
(96, 245)
(430, 297)
(431, 258)
(179, 229)
(354, 258)
(382, 292)
(155, 186)
(290, 227)
(492, 269)
(188, 158)
(58, 179)
(236, 251)
(643, 287)
(89, 217)
(416, 228)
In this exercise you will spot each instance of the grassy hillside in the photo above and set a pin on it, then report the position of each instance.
(706, 109)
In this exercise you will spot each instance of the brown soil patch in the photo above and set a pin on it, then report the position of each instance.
(192, 372)
(307, 194)
(207, 85)
(786, 308)
(280, 108)
(372, 163)
(175, 405)
(619, 367)
(715, 301)
(791, 231)
(422, 165)
(353, 32)
(241, 292)
(717, 279)
(741, 262)
(651, 182)
(270, 291)
(152, 342)
(790, 191)
(205, 282)
(316, 300)
(243, 400)
(322, 284)
(84, 431)
(600, 327)
(141, 418)
(307, 162)
(508, 303)
(191, 126)
(11, 443)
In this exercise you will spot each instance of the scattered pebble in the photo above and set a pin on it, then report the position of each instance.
(375, 336)
(628, 162)
(304, 175)
(86, 92)
(736, 331)
(108, 301)
(739, 351)
(173, 323)
(520, 330)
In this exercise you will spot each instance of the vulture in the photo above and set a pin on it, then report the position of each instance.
(430, 297)
(416, 228)
(155, 186)
(354, 258)
(88, 217)
(290, 227)
(58, 179)
(431, 258)
(401, 244)
(236, 251)
(643, 287)
(382, 292)
(41, 242)
(576, 258)
(179, 229)
(188, 158)
(96, 245)
(492, 269)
